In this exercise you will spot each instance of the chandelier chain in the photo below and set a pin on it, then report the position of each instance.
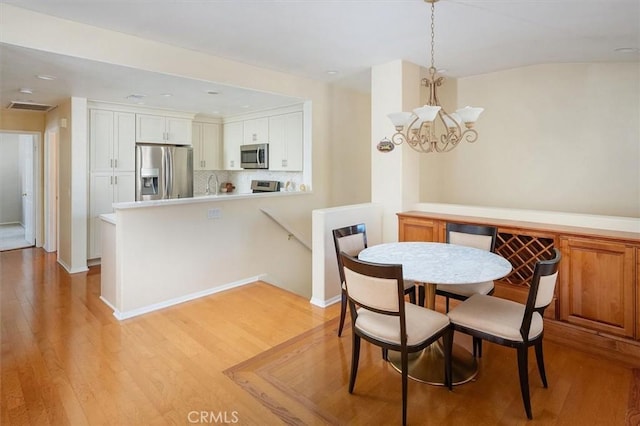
(433, 14)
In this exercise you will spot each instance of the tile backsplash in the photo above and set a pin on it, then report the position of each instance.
(242, 179)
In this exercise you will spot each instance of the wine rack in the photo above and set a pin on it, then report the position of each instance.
(523, 251)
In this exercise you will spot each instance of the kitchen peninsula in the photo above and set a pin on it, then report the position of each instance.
(162, 252)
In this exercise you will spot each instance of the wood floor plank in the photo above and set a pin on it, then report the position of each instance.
(260, 352)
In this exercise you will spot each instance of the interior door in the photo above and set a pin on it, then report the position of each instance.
(28, 212)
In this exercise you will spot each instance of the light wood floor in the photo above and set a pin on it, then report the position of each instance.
(255, 355)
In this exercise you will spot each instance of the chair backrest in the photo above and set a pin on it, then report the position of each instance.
(477, 236)
(375, 287)
(543, 285)
(351, 240)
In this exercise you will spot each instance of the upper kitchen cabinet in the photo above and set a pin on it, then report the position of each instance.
(163, 129)
(233, 136)
(256, 131)
(113, 141)
(285, 142)
(206, 146)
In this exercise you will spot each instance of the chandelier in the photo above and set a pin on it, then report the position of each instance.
(418, 128)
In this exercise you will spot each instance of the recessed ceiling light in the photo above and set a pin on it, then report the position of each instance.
(26, 91)
(627, 50)
(332, 72)
(212, 92)
(46, 77)
(245, 106)
(166, 95)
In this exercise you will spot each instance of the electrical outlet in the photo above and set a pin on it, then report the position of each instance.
(214, 214)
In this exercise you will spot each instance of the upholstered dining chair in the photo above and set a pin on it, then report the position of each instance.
(381, 316)
(477, 236)
(513, 324)
(352, 240)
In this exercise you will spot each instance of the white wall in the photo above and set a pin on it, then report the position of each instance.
(562, 137)
(170, 252)
(10, 179)
(326, 280)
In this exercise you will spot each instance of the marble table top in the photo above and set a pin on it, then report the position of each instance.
(439, 263)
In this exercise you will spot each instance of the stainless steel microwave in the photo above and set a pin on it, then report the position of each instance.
(255, 156)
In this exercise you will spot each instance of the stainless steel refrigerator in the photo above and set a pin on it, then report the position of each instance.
(163, 171)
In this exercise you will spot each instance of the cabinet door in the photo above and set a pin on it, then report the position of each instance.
(150, 128)
(124, 146)
(101, 201)
(101, 125)
(418, 229)
(211, 146)
(124, 187)
(196, 141)
(285, 142)
(178, 131)
(232, 134)
(256, 131)
(597, 285)
(206, 146)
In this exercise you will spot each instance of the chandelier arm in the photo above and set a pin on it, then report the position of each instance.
(470, 135)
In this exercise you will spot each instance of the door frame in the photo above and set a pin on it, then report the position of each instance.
(37, 190)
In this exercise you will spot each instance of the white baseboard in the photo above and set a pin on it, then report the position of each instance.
(181, 299)
(106, 302)
(72, 270)
(324, 303)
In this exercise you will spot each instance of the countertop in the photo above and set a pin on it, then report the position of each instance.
(204, 199)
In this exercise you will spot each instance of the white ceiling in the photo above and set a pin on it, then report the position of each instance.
(311, 37)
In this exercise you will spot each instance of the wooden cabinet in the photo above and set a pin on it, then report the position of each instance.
(206, 146)
(598, 279)
(163, 129)
(255, 131)
(112, 167)
(419, 229)
(597, 302)
(285, 142)
(232, 136)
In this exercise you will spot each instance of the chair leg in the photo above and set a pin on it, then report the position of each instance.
(412, 296)
(446, 302)
(421, 295)
(540, 360)
(405, 367)
(355, 357)
(385, 354)
(343, 312)
(448, 348)
(523, 371)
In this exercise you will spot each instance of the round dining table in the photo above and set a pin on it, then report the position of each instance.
(430, 264)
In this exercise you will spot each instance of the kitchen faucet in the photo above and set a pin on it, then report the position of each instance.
(217, 187)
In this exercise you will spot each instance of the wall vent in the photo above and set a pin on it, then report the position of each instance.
(29, 106)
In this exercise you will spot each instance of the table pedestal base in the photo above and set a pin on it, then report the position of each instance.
(427, 366)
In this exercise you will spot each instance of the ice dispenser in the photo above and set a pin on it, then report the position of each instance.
(149, 182)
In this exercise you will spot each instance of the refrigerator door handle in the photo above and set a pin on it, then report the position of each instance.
(170, 171)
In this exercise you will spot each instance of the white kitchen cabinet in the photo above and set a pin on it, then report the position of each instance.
(163, 129)
(206, 146)
(112, 141)
(112, 147)
(106, 189)
(256, 131)
(232, 136)
(285, 142)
